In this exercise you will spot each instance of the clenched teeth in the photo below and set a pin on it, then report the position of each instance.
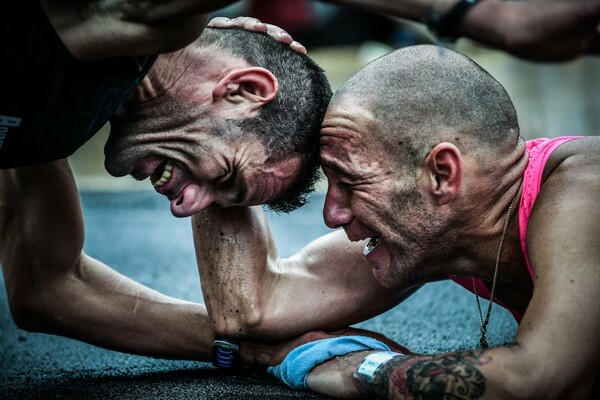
(371, 245)
(166, 174)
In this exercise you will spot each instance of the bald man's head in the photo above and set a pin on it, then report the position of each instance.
(422, 95)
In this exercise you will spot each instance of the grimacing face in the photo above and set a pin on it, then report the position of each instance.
(194, 168)
(370, 198)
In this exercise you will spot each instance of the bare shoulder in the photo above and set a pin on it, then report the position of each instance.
(574, 156)
(98, 29)
(570, 182)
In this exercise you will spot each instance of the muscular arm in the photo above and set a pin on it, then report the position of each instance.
(415, 10)
(555, 354)
(98, 29)
(542, 30)
(250, 292)
(54, 287)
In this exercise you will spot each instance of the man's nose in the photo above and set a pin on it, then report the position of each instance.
(336, 211)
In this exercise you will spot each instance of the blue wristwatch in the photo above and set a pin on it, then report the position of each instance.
(225, 353)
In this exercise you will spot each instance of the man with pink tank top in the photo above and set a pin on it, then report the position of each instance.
(429, 179)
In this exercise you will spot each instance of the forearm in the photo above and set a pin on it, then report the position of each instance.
(98, 29)
(249, 292)
(479, 22)
(407, 377)
(91, 302)
(470, 374)
(540, 30)
(53, 287)
(235, 255)
(415, 10)
(98, 305)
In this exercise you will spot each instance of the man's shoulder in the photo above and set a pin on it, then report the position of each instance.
(573, 157)
(570, 187)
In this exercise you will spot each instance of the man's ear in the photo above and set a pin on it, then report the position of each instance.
(444, 169)
(242, 92)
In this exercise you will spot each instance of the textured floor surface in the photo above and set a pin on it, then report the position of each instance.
(130, 232)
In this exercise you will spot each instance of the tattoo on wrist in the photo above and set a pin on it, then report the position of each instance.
(450, 376)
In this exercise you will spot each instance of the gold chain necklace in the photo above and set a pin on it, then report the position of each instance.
(483, 324)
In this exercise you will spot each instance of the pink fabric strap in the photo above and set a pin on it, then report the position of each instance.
(539, 150)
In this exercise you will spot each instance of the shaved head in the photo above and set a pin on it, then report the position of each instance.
(422, 95)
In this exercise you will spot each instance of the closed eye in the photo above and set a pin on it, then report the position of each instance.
(228, 179)
(343, 185)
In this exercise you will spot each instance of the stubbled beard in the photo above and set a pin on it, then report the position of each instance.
(415, 246)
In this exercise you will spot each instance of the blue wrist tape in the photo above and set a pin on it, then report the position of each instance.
(225, 353)
(296, 366)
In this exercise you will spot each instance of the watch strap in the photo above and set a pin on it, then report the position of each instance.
(225, 353)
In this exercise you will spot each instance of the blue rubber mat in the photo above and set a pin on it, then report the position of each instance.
(129, 232)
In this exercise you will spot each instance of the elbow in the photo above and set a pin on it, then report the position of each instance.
(556, 388)
(529, 389)
(544, 382)
(35, 304)
(38, 295)
(523, 388)
(239, 322)
(26, 312)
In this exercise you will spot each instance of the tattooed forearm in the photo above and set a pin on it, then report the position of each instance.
(450, 376)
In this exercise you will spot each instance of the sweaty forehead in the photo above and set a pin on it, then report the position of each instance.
(347, 135)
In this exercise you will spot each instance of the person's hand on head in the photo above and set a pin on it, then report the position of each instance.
(255, 25)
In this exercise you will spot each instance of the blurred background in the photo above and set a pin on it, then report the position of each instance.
(551, 99)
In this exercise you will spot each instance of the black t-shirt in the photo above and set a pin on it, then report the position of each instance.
(50, 103)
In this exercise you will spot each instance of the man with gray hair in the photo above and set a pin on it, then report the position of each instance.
(429, 179)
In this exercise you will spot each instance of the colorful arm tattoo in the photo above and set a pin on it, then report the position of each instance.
(449, 376)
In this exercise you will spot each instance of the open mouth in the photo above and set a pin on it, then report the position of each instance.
(162, 174)
(371, 245)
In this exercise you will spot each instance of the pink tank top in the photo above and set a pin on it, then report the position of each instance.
(539, 150)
